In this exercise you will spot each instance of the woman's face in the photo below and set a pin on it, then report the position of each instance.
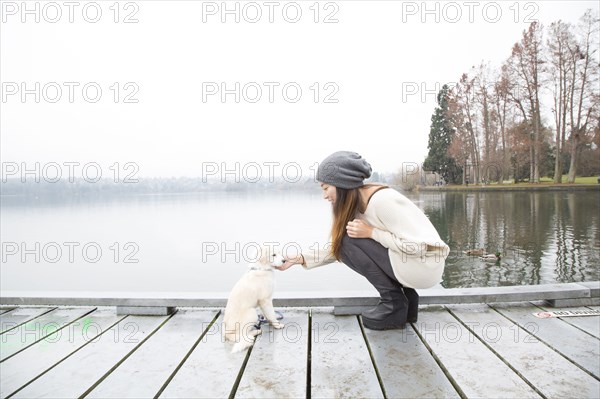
(329, 192)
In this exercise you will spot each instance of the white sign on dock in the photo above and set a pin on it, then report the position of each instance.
(567, 313)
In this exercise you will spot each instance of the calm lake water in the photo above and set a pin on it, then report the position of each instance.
(199, 244)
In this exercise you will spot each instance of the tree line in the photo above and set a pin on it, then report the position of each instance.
(490, 125)
(104, 187)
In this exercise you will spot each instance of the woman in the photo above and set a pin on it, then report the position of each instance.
(380, 234)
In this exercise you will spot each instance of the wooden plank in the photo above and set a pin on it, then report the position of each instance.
(35, 360)
(32, 331)
(346, 298)
(573, 343)
(146, 310)
(473, 367)
(559, 291)
(549, 372)
(210, 371)
(15, 318)
(278, 364)
(503, 294)
(406, 367)
(76, 374)
(589, 324)
(143, 374)
(341, 366)
(351, 310)
(568, 303)
(126, 299)
(594, 287)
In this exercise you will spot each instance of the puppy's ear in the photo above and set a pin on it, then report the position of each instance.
(258, 254)
(265, 256)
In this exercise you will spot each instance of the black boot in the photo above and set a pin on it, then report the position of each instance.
(413, 304)
(390, 313)
(370, 259)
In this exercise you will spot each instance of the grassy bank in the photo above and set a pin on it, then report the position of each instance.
(581, 183)
(578, 180)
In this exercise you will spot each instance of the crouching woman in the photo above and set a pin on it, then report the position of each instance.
(380, 234)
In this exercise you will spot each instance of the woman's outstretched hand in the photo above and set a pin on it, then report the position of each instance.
(358, 228)
(289, 262)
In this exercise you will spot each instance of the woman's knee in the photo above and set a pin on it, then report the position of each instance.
(348, 250)
(366, 245)
(350, 242)
(350, 246)
(347, 241)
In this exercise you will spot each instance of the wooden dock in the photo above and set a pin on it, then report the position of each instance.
(472, 350)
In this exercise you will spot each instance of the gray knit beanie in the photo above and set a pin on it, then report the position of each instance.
(344, 169)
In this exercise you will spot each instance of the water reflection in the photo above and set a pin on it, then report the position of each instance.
(543, 237)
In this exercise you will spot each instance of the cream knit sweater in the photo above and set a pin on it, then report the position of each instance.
(417, 253)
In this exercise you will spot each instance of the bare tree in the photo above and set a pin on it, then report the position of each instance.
(462, 107)
(497, 117)
(584, 75)
(561, 73)
(501, 101)
(526, 66)
(484, 97)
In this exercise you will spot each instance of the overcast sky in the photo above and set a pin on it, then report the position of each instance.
(373, 71)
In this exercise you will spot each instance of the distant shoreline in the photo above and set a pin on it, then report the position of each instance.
(513, 187)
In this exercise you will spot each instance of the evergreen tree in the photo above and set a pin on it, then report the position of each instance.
(440, 137)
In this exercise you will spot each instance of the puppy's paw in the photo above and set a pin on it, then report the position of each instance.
(278, 325)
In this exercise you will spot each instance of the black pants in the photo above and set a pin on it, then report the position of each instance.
(370, 259)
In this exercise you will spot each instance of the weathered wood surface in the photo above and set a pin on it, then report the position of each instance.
(13, 319)
(558, 292)
(341, 366)
(406, 367)
(134, 379)
(210, 371)
(589, 324)
(497, 350)
(278, 364)
(508, 293)
(576, 345)
(19, 338)
(466, 358)
(72, 377)
(594, 287)
(543, 368)
(20, 370)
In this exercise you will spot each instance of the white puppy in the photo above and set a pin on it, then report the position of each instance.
(255, 288)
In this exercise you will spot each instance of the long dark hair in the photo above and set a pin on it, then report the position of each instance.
(346, 206)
